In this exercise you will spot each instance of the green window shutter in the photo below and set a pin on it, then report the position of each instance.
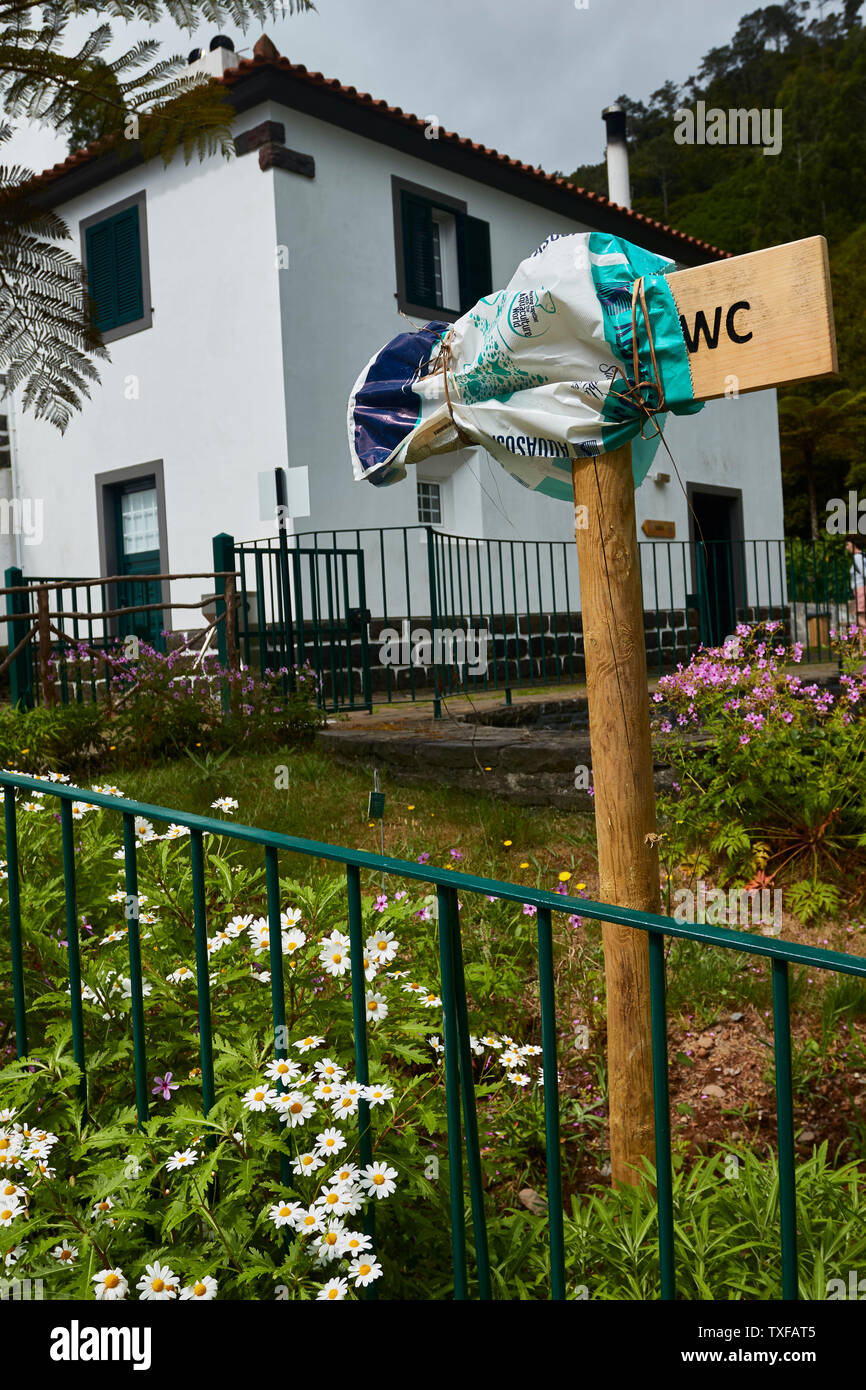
(418, 250)
(99, 247)
(113, 250)
(127, 260)
(473, 258)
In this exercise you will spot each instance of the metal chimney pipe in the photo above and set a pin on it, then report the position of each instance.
(618, 186)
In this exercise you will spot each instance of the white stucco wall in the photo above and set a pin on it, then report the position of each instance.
(208, 371)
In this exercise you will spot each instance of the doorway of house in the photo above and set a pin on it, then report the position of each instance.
(136, 529)
(716, 526)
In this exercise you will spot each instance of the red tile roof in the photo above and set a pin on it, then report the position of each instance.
(266, 55)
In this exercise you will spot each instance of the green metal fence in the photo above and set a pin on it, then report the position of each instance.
(526, 595)
(462, 1124)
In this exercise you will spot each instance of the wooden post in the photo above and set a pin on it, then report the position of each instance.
(46, 682)
(622, 773)
(231, 623)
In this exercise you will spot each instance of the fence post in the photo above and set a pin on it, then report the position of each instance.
(20, 693)
(47, 689)
(224, 559)
(434, 620)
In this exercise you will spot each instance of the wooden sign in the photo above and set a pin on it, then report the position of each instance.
(765, 319)
(660, 530)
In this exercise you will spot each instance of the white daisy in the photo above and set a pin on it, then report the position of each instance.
(180, 976)
(383, 947)
(282, 1069)
(144, 828)
(335, 1200)
(328, 1070)
(431, 1001)
(327, 1090)
(335, 960)
(364, 1270)
(297, 1109)
(377, 1095)
(239, 923)
(110, 1284)
(327, 1247)
(519, 1078)
(345, 1105)
(9, 1209)
(101, 1209)
(290, 918)
(259, 1097)
(330, 1141)
(158, 1284)
(309, 1221)
(65, 1253)
(333, 1291)
(305, 1044)
(182, 1158)
(293, 940)
(224, 803)
(175, 832)
(355, 1243)
(201, 1291)
(377, 1008)
(377, 1179)
(307, 1163)
(284, 1213)
(510, 1058)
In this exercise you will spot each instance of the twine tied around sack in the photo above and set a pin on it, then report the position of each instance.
(635, 393)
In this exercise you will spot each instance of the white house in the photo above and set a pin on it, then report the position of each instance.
(240, 298)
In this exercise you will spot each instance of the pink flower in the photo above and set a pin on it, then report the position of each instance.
(164, 1086)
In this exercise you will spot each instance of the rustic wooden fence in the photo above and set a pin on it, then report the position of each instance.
(49, 645)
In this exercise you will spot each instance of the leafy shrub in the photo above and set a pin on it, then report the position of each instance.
(68, 737)
(770, 771)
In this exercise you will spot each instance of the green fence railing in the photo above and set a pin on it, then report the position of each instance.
(525, 595)
(462, 1122)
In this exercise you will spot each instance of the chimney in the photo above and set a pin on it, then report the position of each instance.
(618, 186)
(218, 60)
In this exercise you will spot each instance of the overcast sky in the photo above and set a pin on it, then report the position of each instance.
(527, 77)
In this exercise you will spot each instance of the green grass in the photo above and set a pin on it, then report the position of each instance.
(327, 801)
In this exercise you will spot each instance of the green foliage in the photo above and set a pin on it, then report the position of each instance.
(726, 1234)
(161, 706)
(211, 1218)
(55, 736)
(775, 790)
(811, 67)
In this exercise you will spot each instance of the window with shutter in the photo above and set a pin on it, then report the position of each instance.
(473, 257)
(443, 254)
(115, 257)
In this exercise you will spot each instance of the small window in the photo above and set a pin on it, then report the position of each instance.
(429, 504)
(443, 254)
(114, 249)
